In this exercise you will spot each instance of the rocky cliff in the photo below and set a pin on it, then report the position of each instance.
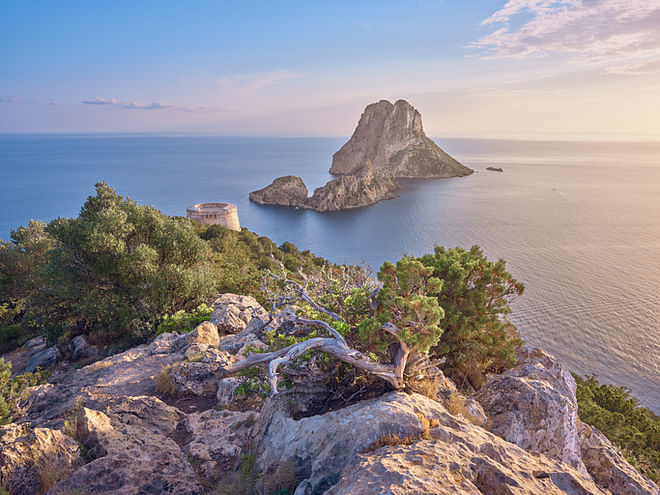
(365, 188)
(160, 418)
(391, 137)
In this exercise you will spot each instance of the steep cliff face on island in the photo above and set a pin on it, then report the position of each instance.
(352, 191)
(109, 427)
(391, 138)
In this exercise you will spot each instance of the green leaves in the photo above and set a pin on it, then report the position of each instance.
(119, 266)
(475, 295)
(409, 300)
(632, 428)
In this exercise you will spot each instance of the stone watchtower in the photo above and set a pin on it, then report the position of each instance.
(225, 214)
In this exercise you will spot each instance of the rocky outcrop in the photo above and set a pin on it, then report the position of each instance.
(391, 138)
(129, 458)
(128, 438)
(533, 405)
(607, 466)
(402, 443)
(33, 460)
(43, 359)
(232, 313)
(540, 412)
(366, 188)
(284, 191)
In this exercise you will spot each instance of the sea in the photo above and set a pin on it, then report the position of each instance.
(577, 222)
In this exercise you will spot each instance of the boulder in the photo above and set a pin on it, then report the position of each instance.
(216, 440)
(533, 405)
(232, 313)
(391, 138)
(33, 460)
(44, 359)
(470, 464)
(607, 466)
(80, 349)
(128, 458)
(401, 443)
(205, 333)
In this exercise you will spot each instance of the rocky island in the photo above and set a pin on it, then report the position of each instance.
(388, 143)
(365, 188)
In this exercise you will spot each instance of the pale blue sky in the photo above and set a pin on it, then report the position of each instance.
(487, 67)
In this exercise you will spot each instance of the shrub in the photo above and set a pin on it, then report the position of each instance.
(118, 266)
(632, 428)
(475, 295)
(14, 391)
(183, 321)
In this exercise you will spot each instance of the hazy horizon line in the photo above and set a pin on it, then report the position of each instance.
(541, 137)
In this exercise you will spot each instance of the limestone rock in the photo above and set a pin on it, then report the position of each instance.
(321, 446)
(80, 349)
(216, 439)
(241, 343)
(354, 191)
(128, 459)
(43, 359)
(128, 374)
(33, 460)
(391, 138)
(470, 464)
(366, 187)
(205, 333)
(226, 394)
(285, 191)
(607, 466)
(232, 313)
(339, 452)
(533, 405)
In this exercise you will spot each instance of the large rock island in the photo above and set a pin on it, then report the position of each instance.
(391, 138)
(388, 143)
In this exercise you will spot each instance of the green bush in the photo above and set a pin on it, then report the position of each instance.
(475, 294)
(632, 428)
(183, 321)
(13, 391)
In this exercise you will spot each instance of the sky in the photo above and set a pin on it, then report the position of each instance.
(473, 68)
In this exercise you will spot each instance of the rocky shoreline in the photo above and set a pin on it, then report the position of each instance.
(162, 418)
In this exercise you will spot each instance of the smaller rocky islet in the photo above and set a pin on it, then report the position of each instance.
(388, 143)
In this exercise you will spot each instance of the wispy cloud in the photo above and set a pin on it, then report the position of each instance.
(594, 30)
(139, 105)
(250, 83)
(9, 99)
(636, 68)
(156, 105)
(101, 101)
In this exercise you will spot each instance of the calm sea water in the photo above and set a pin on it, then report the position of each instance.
(578, 223)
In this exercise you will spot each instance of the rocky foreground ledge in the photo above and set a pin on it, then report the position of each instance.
(159, 418)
